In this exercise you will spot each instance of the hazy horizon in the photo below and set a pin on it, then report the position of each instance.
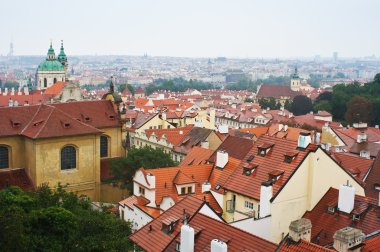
(233, 29)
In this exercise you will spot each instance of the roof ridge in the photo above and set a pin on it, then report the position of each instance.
(35, 114)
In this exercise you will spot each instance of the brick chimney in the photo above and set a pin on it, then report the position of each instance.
(300, 229)
(347, 238)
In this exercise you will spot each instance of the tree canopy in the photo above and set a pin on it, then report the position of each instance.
(358, 110)
(124, 169)
(177, 85)
(301, 105)
(48, 220)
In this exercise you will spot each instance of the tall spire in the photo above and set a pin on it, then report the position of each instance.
(112, 86)
(51, 53)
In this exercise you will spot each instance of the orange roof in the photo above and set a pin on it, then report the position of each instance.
(55, 89)
(152, 238)
(173, 135)
(355, 165)
(250, 185)
(372, 244)
(219, 177)
(165, 179)
(259, 131)
(289, 245)
(325, 224)
(197, 155)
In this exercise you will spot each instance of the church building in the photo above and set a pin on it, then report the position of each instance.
(52, 69)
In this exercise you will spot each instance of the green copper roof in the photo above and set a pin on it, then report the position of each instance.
(295, 74)
(62, 56)
(51, 50)
(51, 65)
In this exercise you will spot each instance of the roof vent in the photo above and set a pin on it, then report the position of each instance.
(66, 125)
(15, 124)
(36, 123)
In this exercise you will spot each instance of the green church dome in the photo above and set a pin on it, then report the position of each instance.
(62, 56)
(51, 65)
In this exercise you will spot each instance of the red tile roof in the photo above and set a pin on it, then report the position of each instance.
(236, 147)
(353, 164)
(55, 89)
(276, 92)
(155, 239)
(197, 155)
(371, 244)
(373, 180)
(250, 185)
(289, 245)
(173, 135)
(16, 177)
(325, 224)
(152, 238)
(259, 131)
(165, 179)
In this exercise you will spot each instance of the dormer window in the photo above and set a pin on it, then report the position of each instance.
(355, 217)
(142, 191)
(290, 156)
(250, 158)
(16, 124)
(217, 187)
(168, 225)
(66, 125)
(264, 148)
(331, 209)
(248, 169)
(275, 175)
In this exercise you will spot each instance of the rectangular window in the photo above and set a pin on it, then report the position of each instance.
(183, 190)
(248, 205)
(4, 157)
(189, 189)
(142, 191)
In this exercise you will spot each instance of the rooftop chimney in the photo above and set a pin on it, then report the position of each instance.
(304, 139)
(361, 138)
(163, 116)
(26, 91)
(346, 198)
(347, 238)
(206, 186)
(265, 196)
(13, 91)
(221, 159)
(187, 238)
(218, 246)
(280, 127)
(223, 129)
(300, 229)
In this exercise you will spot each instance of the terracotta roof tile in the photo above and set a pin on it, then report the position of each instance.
(325, 224)
(250, 185)
(197, 155)
(290, 246)
(355, 165)
(372, 244)
(276, 91)
(236, 147)
(373, 180)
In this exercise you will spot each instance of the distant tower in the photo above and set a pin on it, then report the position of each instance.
(295, 82)
(10, 54)
(62, 57)
(335, 56)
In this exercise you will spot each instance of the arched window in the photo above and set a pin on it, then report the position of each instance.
(55, 80)
(45, 82)
(4, 157)
(103, 146)
(68, 158)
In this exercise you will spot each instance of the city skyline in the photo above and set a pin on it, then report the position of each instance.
(253, 29)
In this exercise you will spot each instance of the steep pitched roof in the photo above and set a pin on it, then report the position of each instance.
(276, 92)
(155, 239)
(357, 166)
(373, 179)
(172, 135)
(274, 159)
(152, 238)
(49, 121)
(259, 131)
(289, 245)
(197, 155)
(325, 224)
(236, 147)
(372, 244)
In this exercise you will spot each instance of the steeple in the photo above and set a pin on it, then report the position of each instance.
(295, 82)
(112, 86)
(51, 53)
(295, 74)
(62, 57)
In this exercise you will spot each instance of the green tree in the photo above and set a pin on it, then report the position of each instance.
(301, 105)
(48, 220)
(358, 110)
(323, 105)
(288, 105)
(124, 169)
(269, 102)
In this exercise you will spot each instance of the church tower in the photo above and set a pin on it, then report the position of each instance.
(295, 81)
(51, 70)
(62, 57)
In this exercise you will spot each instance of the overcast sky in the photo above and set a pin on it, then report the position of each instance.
(205, 28)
